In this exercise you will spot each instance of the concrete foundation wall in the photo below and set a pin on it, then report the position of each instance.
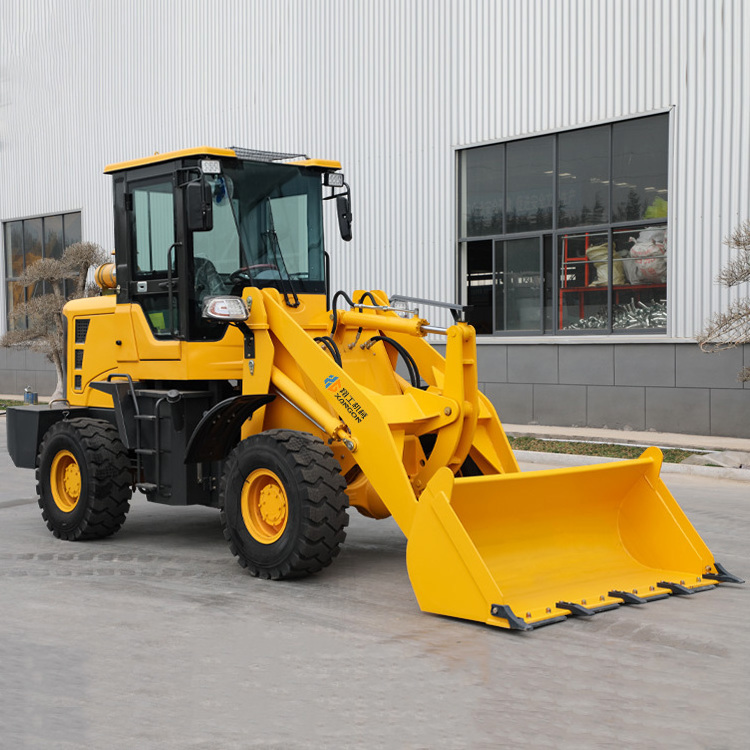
(20, 368)
(661, 387)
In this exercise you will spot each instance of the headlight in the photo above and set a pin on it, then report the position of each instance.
(225, 308)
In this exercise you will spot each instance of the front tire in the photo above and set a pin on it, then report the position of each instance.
(83, 479)
(284, 509)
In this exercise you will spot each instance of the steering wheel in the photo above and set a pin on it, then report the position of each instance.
(241, 274)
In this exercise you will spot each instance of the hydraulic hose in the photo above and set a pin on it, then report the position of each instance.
(340, 293)
(330, 344)
(343, 294)
(411, 365)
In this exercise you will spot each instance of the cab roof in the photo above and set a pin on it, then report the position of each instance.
(298, 160)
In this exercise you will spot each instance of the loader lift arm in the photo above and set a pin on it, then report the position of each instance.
(511, 549)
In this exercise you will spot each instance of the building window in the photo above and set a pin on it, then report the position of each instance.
(29, 240)
(567, 233)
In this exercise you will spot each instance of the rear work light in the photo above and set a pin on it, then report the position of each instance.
(334, 179)
(210, 166)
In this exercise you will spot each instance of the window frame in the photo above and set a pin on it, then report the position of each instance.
(144, 185)
(11, 278)
(609, 227)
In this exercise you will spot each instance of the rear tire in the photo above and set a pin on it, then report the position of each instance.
(284, 509)
(83, 479)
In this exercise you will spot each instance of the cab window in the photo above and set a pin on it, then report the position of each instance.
(153, 224)
(153, 233)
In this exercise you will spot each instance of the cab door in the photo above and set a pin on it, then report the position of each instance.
(156, 260)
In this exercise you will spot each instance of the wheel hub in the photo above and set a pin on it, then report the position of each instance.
(265, 507)
(65, 481)
(272, 505)
(72, 480)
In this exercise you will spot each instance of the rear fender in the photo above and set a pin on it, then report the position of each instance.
(27, 425)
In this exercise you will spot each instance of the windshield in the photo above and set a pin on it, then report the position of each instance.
(267, 231)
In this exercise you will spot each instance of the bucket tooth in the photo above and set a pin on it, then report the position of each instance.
(627, 597)
(675, 588)
(514, 621)
(576, 609)
(722, 575)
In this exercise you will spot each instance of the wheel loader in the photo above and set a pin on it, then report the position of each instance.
(216, 368)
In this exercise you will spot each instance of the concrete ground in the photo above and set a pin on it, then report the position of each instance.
(156, 638)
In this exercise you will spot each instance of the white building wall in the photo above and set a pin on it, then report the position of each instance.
(390, 88)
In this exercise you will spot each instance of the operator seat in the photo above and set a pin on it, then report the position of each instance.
(208, 282)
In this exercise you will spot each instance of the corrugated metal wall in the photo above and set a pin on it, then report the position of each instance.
(390, 88)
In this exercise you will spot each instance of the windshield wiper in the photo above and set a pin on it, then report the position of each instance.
(274, 246)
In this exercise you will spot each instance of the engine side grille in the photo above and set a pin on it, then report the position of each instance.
(82, 328)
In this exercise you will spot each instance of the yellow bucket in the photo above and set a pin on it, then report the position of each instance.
(524, 549)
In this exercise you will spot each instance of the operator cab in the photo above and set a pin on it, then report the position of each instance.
(208, 222)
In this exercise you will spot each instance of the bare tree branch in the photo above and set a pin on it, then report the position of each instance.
(77, 259)
(46, 331)
(728, 329)
(740, 237)
(737, 270)
(731, 328)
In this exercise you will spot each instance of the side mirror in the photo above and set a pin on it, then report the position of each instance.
(344, 212)
(199, 206)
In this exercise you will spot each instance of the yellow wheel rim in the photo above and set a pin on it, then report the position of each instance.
(265, 508)
(65, 481)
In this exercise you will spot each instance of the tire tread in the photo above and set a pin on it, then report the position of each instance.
(324, 518)
(109, 478)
